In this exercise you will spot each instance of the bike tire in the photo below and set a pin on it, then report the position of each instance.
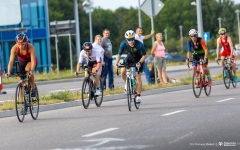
(197, 90)
(134, 95)
(86, 93)
(98, 99)
(226, 79)
(129, 94)
(207, 89)
(34, 104)
(20, 105)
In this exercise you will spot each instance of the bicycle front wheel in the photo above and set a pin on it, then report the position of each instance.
(197, 84)
(226, 79)
(98, 98)
(207, 89)
(233, 81)
(20, 103)
(34, 105)
(86, 93)
(129, 94)
(134, 95)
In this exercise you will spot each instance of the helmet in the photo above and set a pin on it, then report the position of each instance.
(130, 34)
(193, 31)
(87, 46)
(21, 38)
(222, 29)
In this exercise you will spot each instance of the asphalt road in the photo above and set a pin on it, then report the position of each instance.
(169, 121)
(74, 84)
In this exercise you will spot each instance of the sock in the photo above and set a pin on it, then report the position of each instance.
(208, 76)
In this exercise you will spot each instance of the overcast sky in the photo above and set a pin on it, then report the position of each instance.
(114, 4)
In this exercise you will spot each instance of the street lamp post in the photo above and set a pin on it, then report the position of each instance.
(88, 5)
(199, 17)
(181, 39)
(139, 15)
(165, 32)
(219, 22)
(237, 11)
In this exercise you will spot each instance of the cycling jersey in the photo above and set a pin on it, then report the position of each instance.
(137, 51)
(199, 48)
(26, 57)
(226, 50)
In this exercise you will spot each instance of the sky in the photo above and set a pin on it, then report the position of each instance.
(114, 4)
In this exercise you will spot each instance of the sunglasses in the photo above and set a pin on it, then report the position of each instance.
(222, 33)
(193, 36)
(22, 44)
(131, 39)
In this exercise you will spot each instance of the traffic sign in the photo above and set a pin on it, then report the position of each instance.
(146, 7)
(206, 36)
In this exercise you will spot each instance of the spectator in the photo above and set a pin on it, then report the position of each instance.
(152, 74)
(97, 46)
(140, 38)
(159, 58)
(108, 68)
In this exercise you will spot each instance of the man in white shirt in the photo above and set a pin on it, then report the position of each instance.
(140, 38)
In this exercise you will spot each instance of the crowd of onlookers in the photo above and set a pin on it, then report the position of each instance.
(103, 43)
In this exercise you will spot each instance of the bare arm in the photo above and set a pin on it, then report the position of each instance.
(149, 35)
(78, 67)
(154, 49)
(189, 55)
(11, 61)
(231, 45)
(143, 59)
(118, 59)
(217, 50)
(33, 58)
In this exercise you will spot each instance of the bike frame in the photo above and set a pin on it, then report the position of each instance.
(201, 72)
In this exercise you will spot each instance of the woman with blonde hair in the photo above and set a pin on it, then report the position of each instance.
(97, 45)
(158, 52)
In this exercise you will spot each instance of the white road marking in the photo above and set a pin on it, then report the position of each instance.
(6, 101)
(99, 132)
(175, 112)
(225, 100)
(66, 90)
(180, 138)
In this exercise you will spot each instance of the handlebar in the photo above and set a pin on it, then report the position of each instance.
(127, 65)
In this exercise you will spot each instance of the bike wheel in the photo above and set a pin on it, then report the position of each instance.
(197, 86)
(98, 99)
(134, 95)
(129, 94)
(20, 103)
(207, 89)
(226, 79)
(86, 93)
(34, 105)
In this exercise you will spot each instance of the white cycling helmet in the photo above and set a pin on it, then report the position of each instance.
(130, 34)
(193, 31)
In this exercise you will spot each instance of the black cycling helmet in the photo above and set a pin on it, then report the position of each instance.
(87, 46)
(21, 38)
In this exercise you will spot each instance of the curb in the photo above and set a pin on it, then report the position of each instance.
(11, 113)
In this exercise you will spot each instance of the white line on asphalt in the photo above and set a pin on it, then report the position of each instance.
(180, 138)
(6, 101)
(99, 132)
(225, 100)
(168, 114)
(66, 90)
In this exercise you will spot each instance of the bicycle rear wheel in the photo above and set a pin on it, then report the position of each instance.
(98, 99)
(197, 85)
(207, 89)
(20, 103)
(129, 94)
(226, 79)
(86, 93)
(34, 105)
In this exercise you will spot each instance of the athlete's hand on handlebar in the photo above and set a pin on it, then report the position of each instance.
(116, 66)
(7, 75)
(138, 65)
(187, 61)
(76, 74)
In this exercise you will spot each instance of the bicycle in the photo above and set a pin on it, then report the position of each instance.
(199, 80)
(131, 84)
(22, 103)
(89, 89)
(227, 69)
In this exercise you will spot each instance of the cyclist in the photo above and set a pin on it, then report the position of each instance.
(93, 59)
(200, 51)
(227, 49)
(136, 54)
(26, 58)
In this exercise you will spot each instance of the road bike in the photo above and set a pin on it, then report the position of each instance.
(227, 70)
(199, 80)
(131, 84)
(89, 89)
(23, 97)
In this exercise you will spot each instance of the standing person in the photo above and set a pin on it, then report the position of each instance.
(108, 68)
(140, 38)
(200, 51)
(158, 52)
(97, 45)
(228, 49)
(136, 54)
(26, 58)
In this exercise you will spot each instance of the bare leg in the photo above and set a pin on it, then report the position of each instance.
(31, 79)
(139, 82)
(123, 74)
(164, 75)
(96, 78)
